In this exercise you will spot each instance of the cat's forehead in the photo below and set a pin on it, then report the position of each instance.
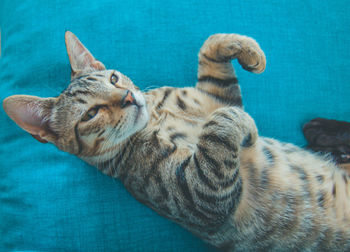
(90, 81)
(97, 74)
(94, 76)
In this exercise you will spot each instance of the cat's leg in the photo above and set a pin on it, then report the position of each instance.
(209, 180)
(216, 74)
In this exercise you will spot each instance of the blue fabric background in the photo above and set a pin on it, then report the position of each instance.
(52, 201)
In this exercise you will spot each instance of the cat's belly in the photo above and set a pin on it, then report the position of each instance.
(183, 131)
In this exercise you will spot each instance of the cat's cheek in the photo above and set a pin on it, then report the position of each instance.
(67, 144)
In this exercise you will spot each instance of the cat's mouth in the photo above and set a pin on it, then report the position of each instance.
(139, 107)
(138, 114)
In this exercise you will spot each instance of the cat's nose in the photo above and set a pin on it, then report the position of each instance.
(128, 99)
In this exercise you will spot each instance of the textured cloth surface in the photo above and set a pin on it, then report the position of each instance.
(51, 201)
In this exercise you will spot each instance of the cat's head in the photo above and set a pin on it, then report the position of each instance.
(99, 109)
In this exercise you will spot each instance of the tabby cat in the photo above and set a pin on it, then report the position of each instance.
(193, 155)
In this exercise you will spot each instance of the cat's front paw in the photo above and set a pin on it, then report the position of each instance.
(237, 123)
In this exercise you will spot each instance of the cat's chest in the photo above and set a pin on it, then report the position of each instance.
(178, 115)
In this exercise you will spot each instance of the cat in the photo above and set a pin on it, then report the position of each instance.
(193, 154)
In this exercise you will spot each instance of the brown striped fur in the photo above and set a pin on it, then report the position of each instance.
(193, 155)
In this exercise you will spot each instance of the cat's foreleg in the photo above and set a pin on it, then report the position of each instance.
(216, 75)
(209, 179)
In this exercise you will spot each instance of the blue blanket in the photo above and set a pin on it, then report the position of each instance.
(52, 201)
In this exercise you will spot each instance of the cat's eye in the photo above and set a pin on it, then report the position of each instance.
(114, 79)
(90, 114)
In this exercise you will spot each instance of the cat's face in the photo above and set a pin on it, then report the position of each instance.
(98, 110)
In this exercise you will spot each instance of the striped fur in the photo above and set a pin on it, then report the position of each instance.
(195, 156)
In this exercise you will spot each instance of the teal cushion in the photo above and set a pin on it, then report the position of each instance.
(50, 200)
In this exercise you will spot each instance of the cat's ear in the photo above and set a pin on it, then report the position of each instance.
(32, 114)
(81, 60)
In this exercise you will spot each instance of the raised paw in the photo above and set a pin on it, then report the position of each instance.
(225, 47)
(237, 123)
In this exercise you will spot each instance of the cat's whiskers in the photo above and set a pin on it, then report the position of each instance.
(105, 145)
(113, 167)
(108, 143)
(146, 89)
(111, 139)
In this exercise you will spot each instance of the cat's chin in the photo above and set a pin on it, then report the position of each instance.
(137, 120)
(141, 119)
